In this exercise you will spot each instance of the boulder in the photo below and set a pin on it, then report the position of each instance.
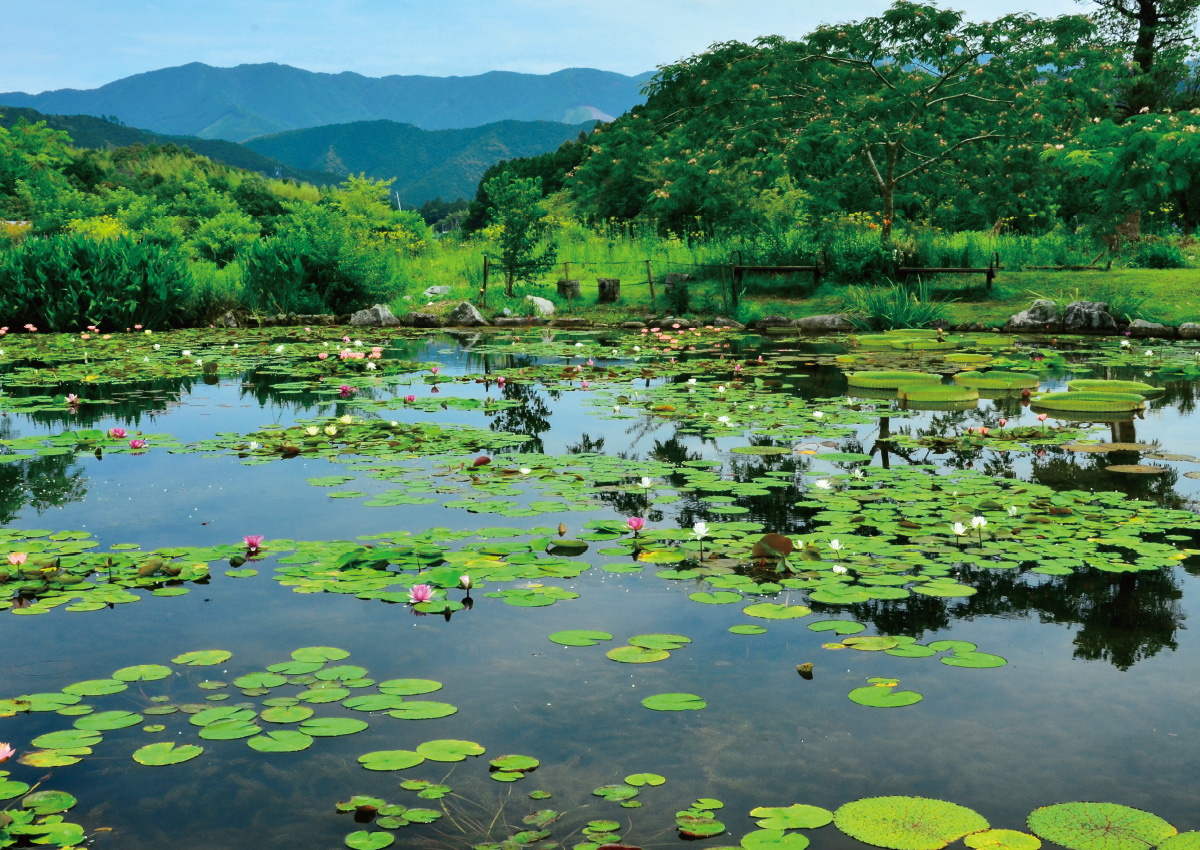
(767, 322)
(722, 322)
(637, 326)
(1141, 329)
(436, 292)
(1088, 317)
(670, 322)
(465, 316)
(1041, 316)
(378, 316)
(421, 320)
(1189, 330)
(228, 320)
(832, 323)
(571, 322)
(543, 307)
(517, 321)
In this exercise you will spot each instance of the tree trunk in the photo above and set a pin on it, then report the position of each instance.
(888, 188)
(1145, 92)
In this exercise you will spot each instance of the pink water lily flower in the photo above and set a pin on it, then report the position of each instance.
(253, 541)
(137, 444)
(433, 369)
(117, 433)
(17, 558)
(346, 390)
(1003, 422)
(72, 399)
(6, 752)
(635, 523)
(409, 399)
(419, 593)
(1041, 417)
(324, 355)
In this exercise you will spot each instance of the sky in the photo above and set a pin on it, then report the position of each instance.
(52, 44)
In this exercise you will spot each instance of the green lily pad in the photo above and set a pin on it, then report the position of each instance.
(876, 696)
(674, 702)
(1099, 826)
(877, 643)
(907, 823)
(776, 611)
(774, 839)
(332, 727)
(48, 802)
(166, 753)
(616, 793)
(142, 673)
(106, 721)
(423, 710)
(366, 840)
(67, 739)
(519, 764)
(203, 657)
(976, 660)
(1002, 839)
(96, 688)
(637, 654)
(660, 641)
(797, 816)
(260, 680)
(839, 627)
(579, 637)
(281, 741)
(718, 597)
(409, 687)
(319, 654)
(748, 629)
(449, 749)
(639, 779)
(390, 759)
(286, 714)
(10, 789)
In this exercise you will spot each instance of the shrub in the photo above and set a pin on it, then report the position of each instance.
(65, 283)
(1157, 254)
(678, 298)
(893, 306)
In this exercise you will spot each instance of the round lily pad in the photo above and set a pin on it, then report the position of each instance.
(1099, 826)
(68, 739)
(390, 759)
(660, 641)
(286, 714)
(637, 654)
(877, 643)
(96, 688)
(106, 721)
(748, 629)
(616, 793)
(877, 696)
(366, 840)
(674, 702)
(907, 823)
(639, 779)
(320, 653)
(776, 611)
(774, 839)
(203, 657)
(797, 816)
(423, 710)
(260, 680)
(142, 673)
(840, 627)
(166, 753)
(332, 727)
(1182, 841)
(514, 762)
(409, 687)
(449, 749)
(48, 802)
(281, 741)
(1002, 839)
(579, 637)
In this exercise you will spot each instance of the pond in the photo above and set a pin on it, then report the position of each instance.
(542, 588)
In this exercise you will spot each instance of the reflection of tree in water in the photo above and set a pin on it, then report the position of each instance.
(42, 482)
(1122, 618)
(127, 403)
(529, 418)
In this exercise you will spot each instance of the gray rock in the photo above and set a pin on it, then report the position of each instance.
(543, 307)
(506, 312)
(1041, 316)
(767, 322)
(228, 320)
(436, 291)
(633, 326)
(378, 316)
(1088, 317)
(465, 316)
(671, 321)
(722, 322)
(832, 323)
(571, 322)
(518, 321)
(421, 320)
(1141, 329)
(1189, 330)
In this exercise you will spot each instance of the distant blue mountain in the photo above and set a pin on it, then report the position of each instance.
(254, 100)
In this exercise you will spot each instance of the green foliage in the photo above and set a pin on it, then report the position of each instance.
(65, 283)
(517, 211)
(678, 298)
(1159, 254)
(892, 306)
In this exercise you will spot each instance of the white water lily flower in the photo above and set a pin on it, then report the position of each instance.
(721, 388)
(840, 570)
(358, 342)
(464, 581)
(818, 414)
(959, 529)
(1149, 353)
(1012, 510)
(1124, 343)
(346, 419)
(157, 346)
(279, 349)
(253, 445)
(331, 430)
(579, 345)
(858, 473)
(235, 346)
(186, 353)
(835, 545)
(691, 382)
(371, 366)
(978, 522)
(199, 362)
(646, 482)
(312, 430)
(616, 408)
(700, 529)
(724, 420)
(394, 423)
(823, 484)
(525, 470)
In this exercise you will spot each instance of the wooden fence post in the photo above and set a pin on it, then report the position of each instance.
(483, 289)
(650, 280)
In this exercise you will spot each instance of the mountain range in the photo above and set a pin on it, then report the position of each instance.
(424, 163)
(240, 103)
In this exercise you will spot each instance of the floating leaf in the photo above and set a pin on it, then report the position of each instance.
(449, 749)
(319, 654)
(840, 627)
(286, 714)
(674, 702)
(516, 763)
(366, 840)
(1099, 826)
(203, 657)
(877, 643)
(797, 816)
(907, 823)
(616, 793)
(1002, 839)
(106, 721)
(332, 727)
(67, 739)
(423, 710)
(390, 759)
(281, 741)
(49, 802)
(579, 637)
(409, 687)
(142, 673)
(639, 779)
(96, 688)
(637, 654)
(166, 753)
(774, 839)
(776, 611)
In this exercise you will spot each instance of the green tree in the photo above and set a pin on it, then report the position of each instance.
(1156, 36)
(516, 209)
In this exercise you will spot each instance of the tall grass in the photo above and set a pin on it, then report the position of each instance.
(881, 308)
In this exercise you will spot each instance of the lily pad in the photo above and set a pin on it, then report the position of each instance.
(203, 657)
(907, 823)
(1099, 826)
(449, 749)
(579, 637)
(48, 802)
(797, 816)
(1002, 839)
(167, 752)
(106, 721)
(637, 654)
(423, 710)
(390, 759)
(332, 727)
(674, 702)
(366, 840)
(879, 696)
(281, 741)
(409, 687)
(142, 673)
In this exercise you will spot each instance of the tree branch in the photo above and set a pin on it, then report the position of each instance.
(934, 159)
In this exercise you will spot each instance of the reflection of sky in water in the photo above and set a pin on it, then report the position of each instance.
(1046, 728)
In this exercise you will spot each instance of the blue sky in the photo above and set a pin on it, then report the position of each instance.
(50, 44)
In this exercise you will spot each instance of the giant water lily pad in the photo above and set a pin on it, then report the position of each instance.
(1002, 839)
(1099, 826)
(907, 823)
